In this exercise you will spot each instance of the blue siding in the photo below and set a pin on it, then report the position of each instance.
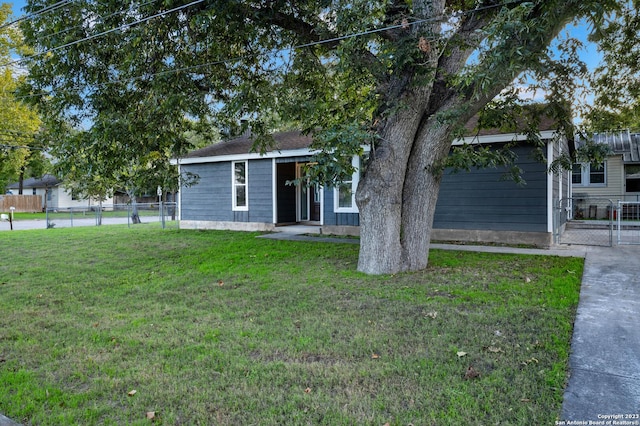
(332, 218)
(210, 199)
(478, 200)
(260, 191)
(483, 200)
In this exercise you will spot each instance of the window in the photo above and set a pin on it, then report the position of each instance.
(632, 178)
(576, 174)
(596, 174)
(345, 192)
(34, 191)
(586, 174)
(240, 185)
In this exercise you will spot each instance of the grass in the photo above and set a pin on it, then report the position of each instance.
(225, 328)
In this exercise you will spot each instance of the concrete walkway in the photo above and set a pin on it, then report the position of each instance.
(605, 350)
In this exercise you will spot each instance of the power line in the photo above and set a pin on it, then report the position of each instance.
(121, 27)
(39, 12)
(102, 17)
(239, 58)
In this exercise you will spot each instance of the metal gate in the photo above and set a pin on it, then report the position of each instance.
(628, 222)
(584, 220)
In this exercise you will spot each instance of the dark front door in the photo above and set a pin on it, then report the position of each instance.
(286, 194)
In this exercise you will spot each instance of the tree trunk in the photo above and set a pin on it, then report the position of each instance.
(21, 181)
(420, 195)
(135, 216)
(379, 196)
(398, 194)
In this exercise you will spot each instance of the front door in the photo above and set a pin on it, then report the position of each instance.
(308, 200)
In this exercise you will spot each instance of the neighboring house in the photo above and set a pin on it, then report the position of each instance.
(53, 194)
(243, 190)
(598, 188)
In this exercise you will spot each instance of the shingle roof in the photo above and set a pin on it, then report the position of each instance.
(45, 181)
(296, 140)
(546, 123)
(284, 141)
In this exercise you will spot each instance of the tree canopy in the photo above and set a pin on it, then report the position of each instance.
(401, 76)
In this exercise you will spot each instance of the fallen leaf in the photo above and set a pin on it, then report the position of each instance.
(220, 283)
(525, 400)
(461, 354)
(405, 23)
(132, 392)
(375, 356)
(527, 280)
(432, 315)
(387, 424)
(471, 373)
(494, 349)
(150, 415)
(498, 333)
(307, 390)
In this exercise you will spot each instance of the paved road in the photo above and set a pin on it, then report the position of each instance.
(21, 225)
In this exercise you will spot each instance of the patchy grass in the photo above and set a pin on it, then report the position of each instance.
(224, 328)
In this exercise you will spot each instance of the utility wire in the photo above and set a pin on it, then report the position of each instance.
(39, 12)
(103, 17)
(121, 27)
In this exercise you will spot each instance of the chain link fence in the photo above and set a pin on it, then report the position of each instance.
(162, 215)
(585, 221)
(628, 222)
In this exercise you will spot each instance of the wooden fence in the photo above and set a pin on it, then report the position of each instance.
(22, 203)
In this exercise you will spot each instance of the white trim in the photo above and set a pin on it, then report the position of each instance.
(321, 205)
(355, 178)
(235, 207)
(274, 190)
(550, 176)
(502, 137)
(247, 156)
(179, 200)
(585, 176)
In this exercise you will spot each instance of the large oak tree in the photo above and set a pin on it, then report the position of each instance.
(401, 75)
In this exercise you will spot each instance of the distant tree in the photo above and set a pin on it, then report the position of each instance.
(18, 122)
(616, 82)
(401, 76)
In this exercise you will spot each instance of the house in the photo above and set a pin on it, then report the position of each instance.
(243, 190)
(53, 194)
(597, 188)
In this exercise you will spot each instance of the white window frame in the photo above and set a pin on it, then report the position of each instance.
(235, 185)
(586, 176)
(355, 178)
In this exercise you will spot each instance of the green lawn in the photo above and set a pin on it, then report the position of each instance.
(104, 325)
